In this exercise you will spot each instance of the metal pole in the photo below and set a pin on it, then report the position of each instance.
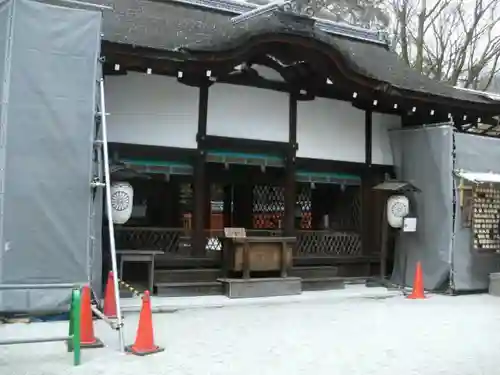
(38, 286)
(99, 314)
(83, 4)
(111, 230)
(34, 340)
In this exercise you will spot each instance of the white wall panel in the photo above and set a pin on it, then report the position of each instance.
(247, 112)
(151, 110)
(158, 111)
(331, 130)
(381, 147)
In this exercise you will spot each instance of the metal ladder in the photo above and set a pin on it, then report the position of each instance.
(105, 181)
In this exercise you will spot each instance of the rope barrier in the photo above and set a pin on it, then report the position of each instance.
(130, 288)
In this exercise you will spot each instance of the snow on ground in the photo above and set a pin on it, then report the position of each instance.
(363, 335)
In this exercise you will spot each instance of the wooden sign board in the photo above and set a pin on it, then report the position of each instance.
(235, 232)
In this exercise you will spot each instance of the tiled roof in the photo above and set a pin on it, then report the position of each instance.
(173, 26)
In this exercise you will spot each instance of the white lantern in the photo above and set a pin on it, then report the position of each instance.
(398, 207)
(122, 198)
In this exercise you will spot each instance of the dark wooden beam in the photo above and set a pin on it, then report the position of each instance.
(367, 195)
(263, 59)
(244, 174)
(199, 204)
(215, 142)
(368, 137)
(250, 80)
(290, 168)
(202, 116)
(318, 52)
(490, 120)
(151, 153)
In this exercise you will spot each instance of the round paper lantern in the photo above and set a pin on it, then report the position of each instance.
(398, 207)
(122, 198)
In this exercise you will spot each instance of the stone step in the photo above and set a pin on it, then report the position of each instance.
(185, 289)
(314, 272)
(262, 287)
(187, 275)
(323, 283)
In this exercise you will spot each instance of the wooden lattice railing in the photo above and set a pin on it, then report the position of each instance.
(327, 243)
(310, 243)
(169, 240)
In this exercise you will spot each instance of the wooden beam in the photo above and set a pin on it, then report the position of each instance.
(215, 142)
(368, 137)
(290, 168)
(199, 204)
(245, 79)
(328, 57)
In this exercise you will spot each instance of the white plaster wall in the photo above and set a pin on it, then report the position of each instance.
(151, 110)
(159, 111)
(330, 130)
(381, 147)
(247, 112)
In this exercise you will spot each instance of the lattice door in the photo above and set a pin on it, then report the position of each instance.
(304, 201)
(186, 204)
(348, 209)
(268, 206)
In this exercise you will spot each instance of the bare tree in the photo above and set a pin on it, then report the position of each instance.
(450, 40)
(456, 41)
(363, 13)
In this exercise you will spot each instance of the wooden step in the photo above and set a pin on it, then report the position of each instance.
(185, 289)
(323, 283)
(167, 261)
(314, 272)
(187, 275)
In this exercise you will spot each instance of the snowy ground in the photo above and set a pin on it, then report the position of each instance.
(358, 335)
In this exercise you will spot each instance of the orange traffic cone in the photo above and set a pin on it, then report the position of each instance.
(87, 338)
(109, 309)
(144, 341)
(418, 284)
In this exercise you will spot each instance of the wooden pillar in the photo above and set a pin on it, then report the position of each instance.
(174, 212)
(160, 203)
(290, 168)
(368, 138)
(322, 198)
(199, 199)
(367, 196)
(208, 204)
(243, 206)
(227, 209)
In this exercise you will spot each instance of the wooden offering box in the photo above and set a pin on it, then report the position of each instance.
(249, 254)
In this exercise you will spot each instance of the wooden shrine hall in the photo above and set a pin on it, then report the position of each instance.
(276, 128)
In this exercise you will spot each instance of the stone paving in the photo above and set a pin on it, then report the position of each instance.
(382, 334)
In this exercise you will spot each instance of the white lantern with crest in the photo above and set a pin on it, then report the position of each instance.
(122, 198)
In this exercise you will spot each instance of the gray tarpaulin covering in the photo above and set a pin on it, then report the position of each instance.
(4, 28)
(47, 200)
(470, 269)
(424, 157)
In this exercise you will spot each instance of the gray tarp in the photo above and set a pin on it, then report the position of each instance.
(424, 157)
(5, 27)
(470, 269)
(47, 200)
